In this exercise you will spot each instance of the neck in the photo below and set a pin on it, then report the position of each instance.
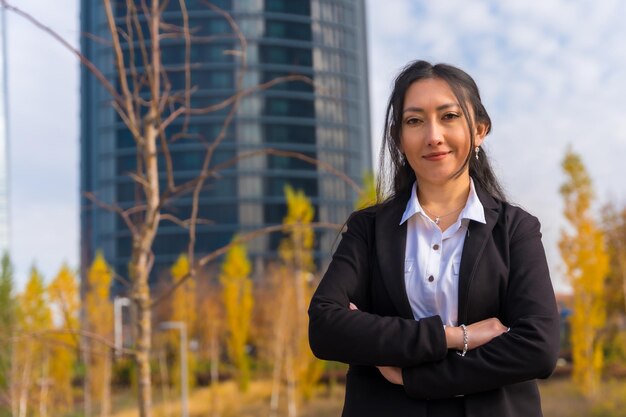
(441, 197)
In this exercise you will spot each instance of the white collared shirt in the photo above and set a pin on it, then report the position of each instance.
(433, 258)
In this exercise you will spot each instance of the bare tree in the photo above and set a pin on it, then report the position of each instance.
(148, 105)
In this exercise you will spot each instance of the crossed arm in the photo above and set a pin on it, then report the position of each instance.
(421, 354)
(481, 332)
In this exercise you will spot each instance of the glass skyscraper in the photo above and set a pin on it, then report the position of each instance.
(327, 120)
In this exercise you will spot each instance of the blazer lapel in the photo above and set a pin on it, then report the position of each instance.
(477, 236)
(390, 250)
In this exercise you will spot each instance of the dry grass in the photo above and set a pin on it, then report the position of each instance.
(559, 399)
(230, 403)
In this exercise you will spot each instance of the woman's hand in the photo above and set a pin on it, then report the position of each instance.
(478, 334)
(392, 374)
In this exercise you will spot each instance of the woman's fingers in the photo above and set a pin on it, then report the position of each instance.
(353, 307)
(484, 331)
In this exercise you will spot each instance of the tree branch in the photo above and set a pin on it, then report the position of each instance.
(183, 223)
(241, 238)
(213, 172)
(92, 336)
(115, 208)
(83, 59)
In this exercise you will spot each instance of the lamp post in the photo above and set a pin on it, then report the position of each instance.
(118, 303)
(184, 386)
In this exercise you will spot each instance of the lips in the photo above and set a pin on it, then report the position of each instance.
(435, 156)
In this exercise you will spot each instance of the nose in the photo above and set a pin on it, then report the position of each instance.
(434, 134)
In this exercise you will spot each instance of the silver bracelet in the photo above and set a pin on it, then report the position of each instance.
(465, 340)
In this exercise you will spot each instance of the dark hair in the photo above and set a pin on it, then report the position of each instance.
(400, 176)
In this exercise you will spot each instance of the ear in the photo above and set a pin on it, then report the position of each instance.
(480, 131)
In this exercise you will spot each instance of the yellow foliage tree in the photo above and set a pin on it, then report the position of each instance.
(586, 262)
(238, 304)
(183, 309)
(295, 289)
(614, 225)
(297, 248)
(367, 196)
(7, 329)
(210, 332)
(32, 352)
(98, 311)
(64, 298)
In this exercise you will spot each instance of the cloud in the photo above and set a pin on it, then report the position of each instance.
(550, 75)
(44, 236)
(43, 111)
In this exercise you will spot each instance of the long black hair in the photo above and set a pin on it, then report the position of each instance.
(395, 174)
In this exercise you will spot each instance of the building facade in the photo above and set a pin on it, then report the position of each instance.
(327, 120)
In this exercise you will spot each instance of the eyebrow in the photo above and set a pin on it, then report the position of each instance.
(421, 110)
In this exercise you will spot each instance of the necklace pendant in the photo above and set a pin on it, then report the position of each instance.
(437, 220)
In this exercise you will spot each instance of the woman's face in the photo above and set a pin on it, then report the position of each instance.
(434, 135)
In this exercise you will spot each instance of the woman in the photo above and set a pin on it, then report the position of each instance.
(439, 298)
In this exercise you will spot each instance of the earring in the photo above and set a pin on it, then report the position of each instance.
(477, 151)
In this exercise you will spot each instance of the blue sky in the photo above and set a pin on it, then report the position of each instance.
(551, 74)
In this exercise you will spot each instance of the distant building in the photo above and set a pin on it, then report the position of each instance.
(564, 304)
(323, 39)
(4, 140)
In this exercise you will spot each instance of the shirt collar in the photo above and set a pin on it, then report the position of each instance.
(473, 209)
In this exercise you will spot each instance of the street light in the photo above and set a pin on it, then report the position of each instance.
(182, 327)
(118, 303)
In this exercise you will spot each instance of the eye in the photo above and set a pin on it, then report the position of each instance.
(412, 121)
(451, 116)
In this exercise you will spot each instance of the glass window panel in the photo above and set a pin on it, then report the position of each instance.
(195, 5)
(126, 164)
(275, 106)
(300, 7)
(290, 163)
(286, 55)
(288, 30)
(127, 192)
(289, 134)
(205, 79)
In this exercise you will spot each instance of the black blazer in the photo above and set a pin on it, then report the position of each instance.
(503, 274)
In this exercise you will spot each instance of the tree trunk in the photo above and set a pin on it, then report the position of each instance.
(279, 349)
(43, 391)
(142, 356)
(141, 264)
(87, 377)
(14, 386)
(215, 358)
(165, 383)
(622, 269)
(278, 360)
(105, 405)
(24, 387)
(291, 384)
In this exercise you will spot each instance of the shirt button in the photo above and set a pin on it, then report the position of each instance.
(435, 247)
(431, 278)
